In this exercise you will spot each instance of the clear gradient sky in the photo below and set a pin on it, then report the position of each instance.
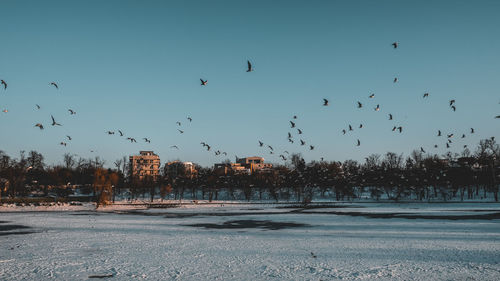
(136, 65)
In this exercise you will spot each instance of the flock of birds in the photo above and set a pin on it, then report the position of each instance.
(293, 123)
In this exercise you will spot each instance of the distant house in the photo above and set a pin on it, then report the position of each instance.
(146, 164)
(246, 165)
(178, 169)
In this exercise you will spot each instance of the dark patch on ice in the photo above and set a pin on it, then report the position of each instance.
(319, 206)
(7, 229)
(101, 276)
(490, 216)
(252, 209)
(3, 221)
(239, 224)
(200, 214)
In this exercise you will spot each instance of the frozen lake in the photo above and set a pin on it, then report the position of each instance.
(357, 241)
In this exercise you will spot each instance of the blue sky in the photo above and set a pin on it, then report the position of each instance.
(136, 65)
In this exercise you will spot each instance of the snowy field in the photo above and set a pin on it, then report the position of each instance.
(358, 241)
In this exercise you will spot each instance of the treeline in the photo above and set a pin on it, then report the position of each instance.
(418, 176)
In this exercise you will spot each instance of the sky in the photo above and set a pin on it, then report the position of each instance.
(135, 66)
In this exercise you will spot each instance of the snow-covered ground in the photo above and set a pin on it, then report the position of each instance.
(358, 241)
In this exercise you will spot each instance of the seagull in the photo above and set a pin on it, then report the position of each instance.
(377, 108)
(110, 133)
(394, 128)
(449, 141)
(343, 131)
(395, 79)
(360, 105)
(325, 102)
(452, 102)
(371, 96)
(359, 143)
(270, 147)
(295, 117)
(400, 129)
(178, 123)
(300, 131)
(439, 133)
(454, 108)
(422, 150)
(249, 66)
(311, 147)
(63, 143)
(180, 131)
(71, 111)
(54, 121)
(69, 138)
(395, 45)
(463, 136)
(289, 135)
(465, 146)
(283, 157)
(54, 84)
(4, 84)
(37, 106)
(390, 116)
(131, 139)
(190, 119)
(360, 126)
(147, 140)
(174, 146)
(261, 143)
(426, 95)
(121, 134)
(350, 127)
(39, 126)
(203, 83)
(286, 152)
(472, 130)
(447, 145)
(450, 135)
(435, 146)
(292, 124)
(302, 142)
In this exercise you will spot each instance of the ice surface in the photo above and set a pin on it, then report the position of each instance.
(193, 243)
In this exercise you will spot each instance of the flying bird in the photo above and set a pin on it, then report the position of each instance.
(371, 96)
(63, 143)
(452, 102)
(311, 147)
(180, 131)
(472, 130)
(174, 146)
(4, 84)
(463, 136)
(261, 143)
(450, 135)
(270, 147)
(289, 135)
(203, 83)
(400, 129)
(390, 116)
(295, 117)
(190, 119)
(302, 142)
(426, 95)
(283, 157)
(359, 143)
(178, 123)
(360, 105)
(110, 133)
(439, 133)
(37, 106)
(360, 126)
(394, 128)
(395, 45)
(325, 102)
(377, 108)
(447, 145)
(292, 124)
(343, 131)
(422, 150)
(454, 108)
(54, 121)
(131, 139)
(249, 66)
(69, 138)
(350, 127)
(121, 134)
(54, 84)
(147, 140)
(395, 79)
(300, 131)
(71, 111)
(39, 126)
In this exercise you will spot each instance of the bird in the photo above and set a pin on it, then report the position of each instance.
(439, 133)
(454, 108)
(426, 95)
(147, 140)
(289, 135)
(377, 108)
(249, 66)
(295, 117)
(63, 143)
(208, 147)
(360, 126)
(390, 116)
(435, 146)
(5, 111)
(4, 84)
(292, 124)
(472, 130)
(463, 136)
(190, 119)
(290, 141)
(121, 134)
(54, 121)
(178, 123)
(203, 83)
(37, 106)
(395, 79)
(311, 147)
(54, 84)
(286, 152)
(325, 102)
(447, 145)
(449, 141)
(371, 95)
(300, 131)
(131, 139)
(270, 147)
(69, 138)
(302, 142)
(450, 135)
(359, 143)
(180, 131)
(174, 146)
(110, 133)
(498, 116)
(283, 157)
(360, 105)
(39, 125)
(422, 150)
(452, 102)
(394, 128)
(350, 127)
(261, 143)
(395, 45)
(343, 131)
(400, 129)
(71, 111)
